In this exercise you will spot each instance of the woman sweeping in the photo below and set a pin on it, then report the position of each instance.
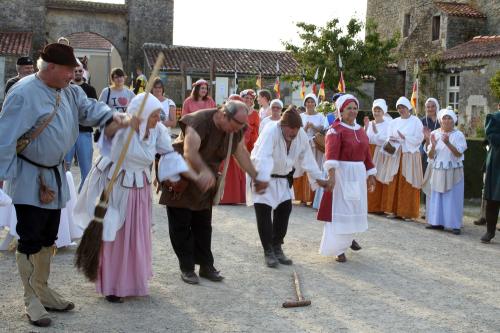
(125, 259)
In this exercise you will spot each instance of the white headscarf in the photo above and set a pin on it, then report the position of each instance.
(447, 112)
(339, 103)
(380, 102)
(276, 101)
(311, 95)
(405, 102)
(433, 100)
(152, 104)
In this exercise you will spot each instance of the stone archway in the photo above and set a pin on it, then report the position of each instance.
(101, 56)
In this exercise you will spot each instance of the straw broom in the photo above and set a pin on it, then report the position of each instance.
(87, 253)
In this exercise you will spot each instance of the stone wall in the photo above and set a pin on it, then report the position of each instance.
(462, 29)
(125, 26)
(142, 29)
(476, 98)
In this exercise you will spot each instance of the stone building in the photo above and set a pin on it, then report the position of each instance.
(439, 36)
(125, 26)
(185, 64)
(12, 46)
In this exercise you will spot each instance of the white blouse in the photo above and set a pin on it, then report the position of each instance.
(381, 136)
(318, 120)
(412, 130)
(444, 158)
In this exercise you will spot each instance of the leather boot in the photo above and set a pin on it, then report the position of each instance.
(270, 258)
(35, 311)
(50, 299)
(282, 258)
(490, 231)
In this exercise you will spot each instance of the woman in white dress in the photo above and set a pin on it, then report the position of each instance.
(313, 123)
(446, 152)
(377, 134)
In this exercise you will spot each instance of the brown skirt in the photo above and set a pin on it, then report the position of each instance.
(400, 198)
(302, 190)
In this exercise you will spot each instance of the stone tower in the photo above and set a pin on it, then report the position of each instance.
(149, 21)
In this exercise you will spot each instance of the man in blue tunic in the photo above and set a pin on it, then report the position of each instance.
(44, 98)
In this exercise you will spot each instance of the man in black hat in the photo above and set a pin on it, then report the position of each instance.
(35, 175)
(24, 67)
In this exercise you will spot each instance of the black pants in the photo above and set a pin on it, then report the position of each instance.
(191, 236)
(272, 232)
(36, 227)
(492, 209)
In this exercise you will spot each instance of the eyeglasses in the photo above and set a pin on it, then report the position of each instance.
(79, 71)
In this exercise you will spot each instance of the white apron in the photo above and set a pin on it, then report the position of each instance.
(349, 208)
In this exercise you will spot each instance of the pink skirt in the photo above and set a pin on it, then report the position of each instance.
(125, 264)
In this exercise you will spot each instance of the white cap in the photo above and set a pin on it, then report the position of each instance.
(380, 103)
(404, 102)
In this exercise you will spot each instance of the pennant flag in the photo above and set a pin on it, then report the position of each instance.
(303, 88)
(132, 81)
(315, 92)
(258, 82)
(277, 87)
(235, 79)
(277, 83)
(321, 93)
(341, 86)
(414, 93)
(414, 96)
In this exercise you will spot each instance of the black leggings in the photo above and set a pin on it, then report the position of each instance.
(272, 232)
(36, 227)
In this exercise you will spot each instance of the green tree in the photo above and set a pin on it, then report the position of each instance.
(495, 84)
(321, 47)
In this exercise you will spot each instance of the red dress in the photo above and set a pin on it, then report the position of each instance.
(235, 185)
(343, 144)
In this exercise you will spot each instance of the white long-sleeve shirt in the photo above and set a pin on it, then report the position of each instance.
(381, 136)
(270, 157)
(412, 130)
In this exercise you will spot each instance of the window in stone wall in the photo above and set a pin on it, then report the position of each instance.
(436, 26)
(406, 25)
(453, 90)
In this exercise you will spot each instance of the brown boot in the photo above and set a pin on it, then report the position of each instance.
(35, 311)
(50, 299)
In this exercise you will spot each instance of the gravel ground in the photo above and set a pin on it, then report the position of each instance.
(405, 278)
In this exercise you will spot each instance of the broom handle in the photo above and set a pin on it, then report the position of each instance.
(123, 153)
(297, 286)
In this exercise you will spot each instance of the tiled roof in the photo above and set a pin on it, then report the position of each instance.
(459, 9)
(198, 59)
(15, 43)
(89, 6)
(478, 47)
(89, 40)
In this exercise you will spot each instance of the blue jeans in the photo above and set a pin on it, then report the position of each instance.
(84, 151)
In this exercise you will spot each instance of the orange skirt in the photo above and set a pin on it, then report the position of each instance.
(302, 190)
(400, 198)
(375, 197)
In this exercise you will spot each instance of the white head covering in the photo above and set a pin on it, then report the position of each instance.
(380, 102)
(310, 95)
(433, 100)
(447, 112)
(276, 101)
(342, 99)
(152, 104)
(5, 200)
(405, 102)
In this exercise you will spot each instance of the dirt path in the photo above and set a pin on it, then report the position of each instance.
(406, 278)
